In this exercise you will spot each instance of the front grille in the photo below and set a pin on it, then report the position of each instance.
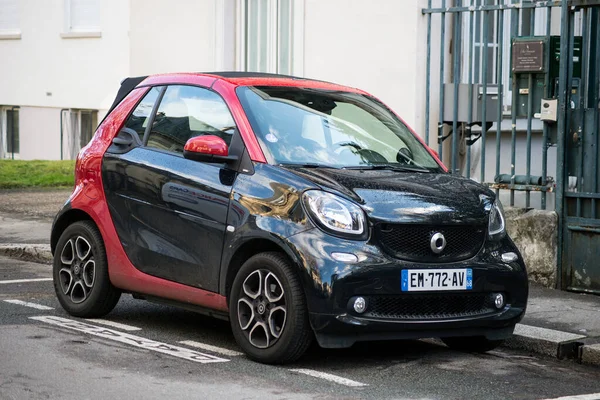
(429, 306)
(413, 242)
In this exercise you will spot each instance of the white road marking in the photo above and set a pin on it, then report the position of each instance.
(214, 349)
(25, 280)
(593, 396)
(131, 340)
(117, 325)
(28, 304)
(329, 377)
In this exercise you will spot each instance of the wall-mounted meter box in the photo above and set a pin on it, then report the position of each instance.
(477, 94)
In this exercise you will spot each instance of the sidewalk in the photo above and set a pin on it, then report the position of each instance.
(558, 324)
(25, 222)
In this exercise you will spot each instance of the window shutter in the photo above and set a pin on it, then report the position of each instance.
(85, 15)
(9, 15)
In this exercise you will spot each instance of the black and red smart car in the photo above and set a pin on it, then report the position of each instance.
(297, 209)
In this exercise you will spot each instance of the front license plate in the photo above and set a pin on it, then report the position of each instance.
(421, 280)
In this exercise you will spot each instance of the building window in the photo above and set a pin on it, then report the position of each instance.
(12, 132)
(89, 120)
(267, 28)
(78, 127)
(82, 15)
(9, 19)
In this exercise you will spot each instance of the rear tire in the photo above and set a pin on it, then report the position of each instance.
(267, 310)
(472, 344)
(80, 272)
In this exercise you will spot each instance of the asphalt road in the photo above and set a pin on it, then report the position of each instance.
(45, 353)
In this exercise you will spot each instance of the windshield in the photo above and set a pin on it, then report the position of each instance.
(312, 127)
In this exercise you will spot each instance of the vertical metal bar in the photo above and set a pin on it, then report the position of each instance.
(529, 121)
(564, 97)
(532, 22)
(582, 96)
(428, 76)
(569, 91)
(546, 95)
(442, 72)
(455, 72)
(470, 112)
(585, 56)
(595, 23)
(514, 28)
(484, 54)
(529, 112)
(500, 91)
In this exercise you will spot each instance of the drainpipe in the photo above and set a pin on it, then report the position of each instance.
(61, 131)
(12, 133)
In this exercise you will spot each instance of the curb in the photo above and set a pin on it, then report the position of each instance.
(551, 342)
(39, 253)
(590, 354)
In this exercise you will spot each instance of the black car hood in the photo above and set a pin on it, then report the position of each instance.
(407, 197)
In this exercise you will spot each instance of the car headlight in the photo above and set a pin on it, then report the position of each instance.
(335, 214)
(497, 225)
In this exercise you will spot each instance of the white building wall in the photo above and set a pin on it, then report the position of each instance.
(371, 45)
(39, 133)
(169, 36)
(77, 72)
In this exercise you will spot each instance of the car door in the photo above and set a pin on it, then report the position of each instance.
(170, 212)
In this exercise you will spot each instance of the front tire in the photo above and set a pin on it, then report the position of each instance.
(472, 344)
(80, 272)
(267, 310)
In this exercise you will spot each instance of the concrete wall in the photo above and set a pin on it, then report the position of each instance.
(535, 235)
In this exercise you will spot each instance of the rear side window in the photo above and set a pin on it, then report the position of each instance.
(139, 119)
(189, 111)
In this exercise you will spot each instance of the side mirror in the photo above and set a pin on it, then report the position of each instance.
(207, 148)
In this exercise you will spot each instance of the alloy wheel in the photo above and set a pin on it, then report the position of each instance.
(77, 269)
(261, 308)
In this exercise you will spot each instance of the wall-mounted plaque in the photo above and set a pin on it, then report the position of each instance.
(527, 55)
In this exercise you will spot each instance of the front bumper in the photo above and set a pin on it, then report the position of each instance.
(331, 284)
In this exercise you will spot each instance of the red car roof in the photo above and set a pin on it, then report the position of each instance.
(248, 79)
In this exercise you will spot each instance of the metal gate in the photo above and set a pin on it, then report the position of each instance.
(513, 97)
(578, 196)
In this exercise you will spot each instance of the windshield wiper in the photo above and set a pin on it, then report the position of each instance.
(390, 167)
(306, 165)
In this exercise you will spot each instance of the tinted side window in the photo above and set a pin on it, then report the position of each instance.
(188, 111)
(138, 120)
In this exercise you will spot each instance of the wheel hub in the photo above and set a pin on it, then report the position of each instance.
(262, 307)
